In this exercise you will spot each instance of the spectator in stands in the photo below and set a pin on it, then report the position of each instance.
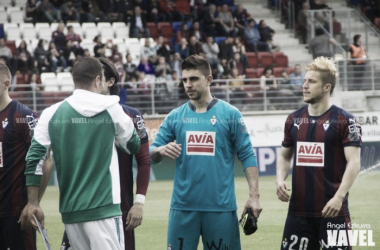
(211, 50)
(320, 44)
(227, 21)
(145, 66)
(170, 10)
(100, 48)
(226, 51)
(163, 69)
(116, 59)
(33, 11)
(69, 53)
(115, 52)
(130, 68)
(149, 51)
(176, 64)
(268, 81)
(195, 31)
(358, 55)
(112, 9)
(6, 53)
(72, 36)
(155, 13)
(183, 32)
(266, 34)
(56, 58)
(236, 63)
(252, 37)
(95, 14)
(182, 48)
(51, 13)
(297, 76)
(138, 27)
(163, 49)
(236, 86)
(304, 21)
(42, 57)
(241, 17)
(195, 47)
(183, 7)
(87, 53)
(25, 61)
(212, 23)
(58, 37)
(69, 12)
(284, 79)
(240, 48)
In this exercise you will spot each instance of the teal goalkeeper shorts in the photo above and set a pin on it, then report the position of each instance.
(219, 230)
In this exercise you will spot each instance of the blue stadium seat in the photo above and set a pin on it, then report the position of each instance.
(219, 39)
(176, 26)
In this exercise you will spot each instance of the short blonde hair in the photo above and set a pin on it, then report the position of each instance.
(326, 67)
(5, 74)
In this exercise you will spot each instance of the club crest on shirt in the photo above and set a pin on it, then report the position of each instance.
(200, 143)
(285, 243)
(213, 120)
(5, 123)
(326, 125)
(310, 154)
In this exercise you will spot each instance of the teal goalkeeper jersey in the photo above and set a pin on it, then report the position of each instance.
(204, 175)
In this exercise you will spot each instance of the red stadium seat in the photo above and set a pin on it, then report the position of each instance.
(153, 30)
(166, 29)
(259, 72)
(11, 45)
(281, 60)
(251, 73)
(337, 27)
(253, 61)
(266, 59)
(277, 71)
(289, 70)
(377, 22)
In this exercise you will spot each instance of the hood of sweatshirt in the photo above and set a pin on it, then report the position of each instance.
(89, 104)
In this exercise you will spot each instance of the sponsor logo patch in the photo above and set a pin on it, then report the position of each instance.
(311, 154)
(200, 143)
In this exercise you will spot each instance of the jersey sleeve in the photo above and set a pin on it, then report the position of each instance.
(288, 140)
(351, 131)
(242, 141)
(125, 132)
(165, 133)
(38, 150)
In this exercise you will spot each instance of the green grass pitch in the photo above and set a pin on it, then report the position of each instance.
(364, 204)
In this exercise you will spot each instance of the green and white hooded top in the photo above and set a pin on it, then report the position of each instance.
(81, 131)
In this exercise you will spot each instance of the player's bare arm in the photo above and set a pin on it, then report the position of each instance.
(47, 167)
(171, 150)
(32, 208)
(282, 172)
(253, 202)
(334, 205)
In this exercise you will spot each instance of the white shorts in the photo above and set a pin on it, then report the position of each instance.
(104, 234)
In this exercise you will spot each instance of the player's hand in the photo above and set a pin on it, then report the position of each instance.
(332, 208)
(282, 191)
(135, 216)
(171, 150)
(254, 204)
(26, 218)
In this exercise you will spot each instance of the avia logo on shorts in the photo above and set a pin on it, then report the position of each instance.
(311, 154)
(200, 143)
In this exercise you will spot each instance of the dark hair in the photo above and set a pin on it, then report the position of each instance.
(356, 38)
(251, 20)
(197, 62)
(110, 72)
(319, 31)
(261, 22)
(85, 71)
(69, 27)
(26, 45)
(267, 68)
(40, 43)
(96, 38)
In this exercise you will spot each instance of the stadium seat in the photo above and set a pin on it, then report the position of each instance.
(253, 61)
(44, 33)
(88, 44)
(266, 59)
(13, 33)
(118, 24)
(29, 33)
(220, 39)
(86, 25)
(90, 32)
(12, 45)
(166, 30)
(17, 16)
(75, 25)
(251, 73)
(65, 80)
(5, 3)
(11, 9)
(37, 26)
(277, 71)
(153, 30)
(106, 33)
(3, 16)
(103, 24)
(122, 32)
(280, 60)
(26, 25)
(152, 42)
(9, 25)
(49, 80)
(377, 22)
(20, 3)
(259, 72)
(337, 28)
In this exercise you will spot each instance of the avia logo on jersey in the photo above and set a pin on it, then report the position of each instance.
(200, 143)
(310, 154)
(5, 123)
